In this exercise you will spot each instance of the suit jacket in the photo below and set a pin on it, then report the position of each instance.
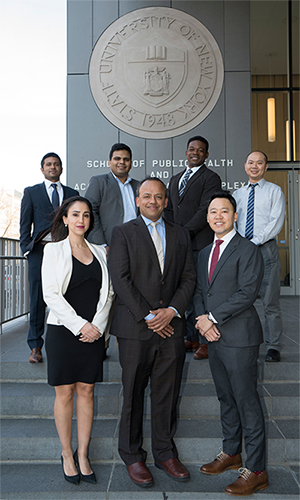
(138, 281)
(37, 214)
(190, 210)
(106, 198)
(56, 274)
(233, 289)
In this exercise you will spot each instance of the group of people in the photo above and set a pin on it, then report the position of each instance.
(155, 268)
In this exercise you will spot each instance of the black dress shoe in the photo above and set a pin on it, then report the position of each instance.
(89, 478)
(71, 479)
(272, 356)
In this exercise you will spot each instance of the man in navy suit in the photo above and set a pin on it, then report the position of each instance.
(229, 275)
(38, 207)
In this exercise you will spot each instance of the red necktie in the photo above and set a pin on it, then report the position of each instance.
(214, 259)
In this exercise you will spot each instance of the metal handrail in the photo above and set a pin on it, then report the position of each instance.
(14, 286)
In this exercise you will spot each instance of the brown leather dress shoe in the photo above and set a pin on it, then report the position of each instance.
(175, 469)
(140, 474)
(36, 355)
(248, 483)
(222, 463)
(202, 352)
(191, 346)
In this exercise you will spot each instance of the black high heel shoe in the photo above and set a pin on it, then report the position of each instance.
(71, 479)
(90, 478)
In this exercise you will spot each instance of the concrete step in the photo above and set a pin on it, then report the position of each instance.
(198, 440)
(114, 484)
(197, 400)
(193, 370)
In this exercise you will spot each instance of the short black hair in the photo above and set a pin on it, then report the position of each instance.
(257, 151)
(48, 156)
(198, 138)
(223, 194)
(150, 179)
(117, 147)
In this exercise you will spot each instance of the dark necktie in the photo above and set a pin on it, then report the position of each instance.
(250, 213)
(184, 181)
(55, 197)
(214, 259)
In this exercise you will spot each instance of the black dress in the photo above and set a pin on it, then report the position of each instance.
(69, 360)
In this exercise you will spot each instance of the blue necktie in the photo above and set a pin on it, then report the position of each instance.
(250, 214)
(184, 181)
(55, 197)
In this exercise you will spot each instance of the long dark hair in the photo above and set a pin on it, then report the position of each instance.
(59, 232)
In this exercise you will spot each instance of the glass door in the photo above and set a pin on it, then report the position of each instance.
(288, 240)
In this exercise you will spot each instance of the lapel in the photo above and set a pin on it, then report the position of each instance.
(170, 245)
(113, 185)
(192, 180)
(145, 237)
(231, 247)
(44, 197)
(206, 252)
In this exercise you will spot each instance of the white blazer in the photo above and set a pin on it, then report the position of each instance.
(56, 274)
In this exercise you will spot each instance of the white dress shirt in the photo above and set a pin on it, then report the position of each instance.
(269, 211)
(49, 190)
(193, 169)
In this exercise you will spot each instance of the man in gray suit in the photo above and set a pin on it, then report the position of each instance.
(112, 195)
(229, 275)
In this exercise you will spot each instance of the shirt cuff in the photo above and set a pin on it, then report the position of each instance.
(211, 318)
(149, 316)
(170, 307)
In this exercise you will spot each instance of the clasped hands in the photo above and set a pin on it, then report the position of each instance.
(160, 324)
(207, 328)
(89, 333)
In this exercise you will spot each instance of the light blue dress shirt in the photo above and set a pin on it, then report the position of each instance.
(161, 229)
(128, 198)
(269, 211)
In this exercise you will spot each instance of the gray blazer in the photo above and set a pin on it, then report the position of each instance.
(233, 290)
(106, 198)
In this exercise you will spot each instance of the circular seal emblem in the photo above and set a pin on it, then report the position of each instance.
(156, 72)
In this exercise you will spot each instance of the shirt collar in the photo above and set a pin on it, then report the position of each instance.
(126, 182)
(48, 183)
(261, 183)
(226, 239)
(194, 169)
(149, 221)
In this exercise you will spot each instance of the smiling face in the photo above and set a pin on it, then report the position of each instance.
(256, 166)
(52, 169)
(221, 216)
(151, 199)
(196, 153)
(78, 218)
(120, 164)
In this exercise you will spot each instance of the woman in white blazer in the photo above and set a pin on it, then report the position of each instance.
(78, 292)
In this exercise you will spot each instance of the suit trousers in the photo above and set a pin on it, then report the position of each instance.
(192, 334)
(161, 361)
(37, 306)
(270, 294)
(234, 370)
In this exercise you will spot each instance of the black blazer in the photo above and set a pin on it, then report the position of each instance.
(233, 290)
(190, 210)
(37, 214)
(138, 282)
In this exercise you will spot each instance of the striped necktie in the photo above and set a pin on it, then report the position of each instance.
(55, 197)
(250, 213)
(158, 245)
(184, 181)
